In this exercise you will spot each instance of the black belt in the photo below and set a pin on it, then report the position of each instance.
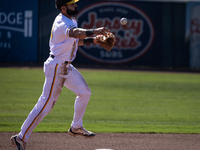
(52, 56)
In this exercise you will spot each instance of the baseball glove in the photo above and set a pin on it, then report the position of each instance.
(107, 42)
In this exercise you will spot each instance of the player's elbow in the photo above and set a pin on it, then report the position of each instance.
(78, 36)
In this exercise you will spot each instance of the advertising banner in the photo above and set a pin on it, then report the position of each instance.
(18, 30)
(193, 32)
(132, 40)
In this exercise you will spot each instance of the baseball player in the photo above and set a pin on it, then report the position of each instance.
(64, 41)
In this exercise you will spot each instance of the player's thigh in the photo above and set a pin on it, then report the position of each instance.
(76, 82)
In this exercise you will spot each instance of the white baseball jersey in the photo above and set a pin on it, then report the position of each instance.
(61, 45)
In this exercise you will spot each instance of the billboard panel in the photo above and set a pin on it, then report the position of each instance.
(193, 33)
(18, 31)
(132, 40)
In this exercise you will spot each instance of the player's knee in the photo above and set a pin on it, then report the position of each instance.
(85, 94)
(84, 91)
(88, 92)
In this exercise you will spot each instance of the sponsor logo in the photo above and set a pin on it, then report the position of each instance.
(195, 25)
(195, 30)
(195, 37)
(17, 22)
(132, 39)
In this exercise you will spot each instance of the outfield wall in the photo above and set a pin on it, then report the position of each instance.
(156, 38)
(158, 34)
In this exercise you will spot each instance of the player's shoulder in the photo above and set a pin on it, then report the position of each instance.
(60, 21)
(64, 20)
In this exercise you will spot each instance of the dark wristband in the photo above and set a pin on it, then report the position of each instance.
(89, 32)
(88, 41)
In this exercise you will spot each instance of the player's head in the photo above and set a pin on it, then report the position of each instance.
(67, 5)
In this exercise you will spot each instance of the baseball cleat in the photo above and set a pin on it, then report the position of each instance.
(82, 132)
(19, 144)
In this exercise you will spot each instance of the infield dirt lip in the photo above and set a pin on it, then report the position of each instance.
(116, 141)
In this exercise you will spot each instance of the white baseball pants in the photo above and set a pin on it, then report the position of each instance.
(57, 75)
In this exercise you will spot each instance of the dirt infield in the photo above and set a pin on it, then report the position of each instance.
(115, 141)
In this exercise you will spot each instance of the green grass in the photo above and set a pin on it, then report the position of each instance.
(121, 101)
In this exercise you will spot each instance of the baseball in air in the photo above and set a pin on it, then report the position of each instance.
(123, 21)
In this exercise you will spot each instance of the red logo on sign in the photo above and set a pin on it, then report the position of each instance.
(132, 39)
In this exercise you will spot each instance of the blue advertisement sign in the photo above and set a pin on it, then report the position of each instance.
(132, 40)
(18, 30)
